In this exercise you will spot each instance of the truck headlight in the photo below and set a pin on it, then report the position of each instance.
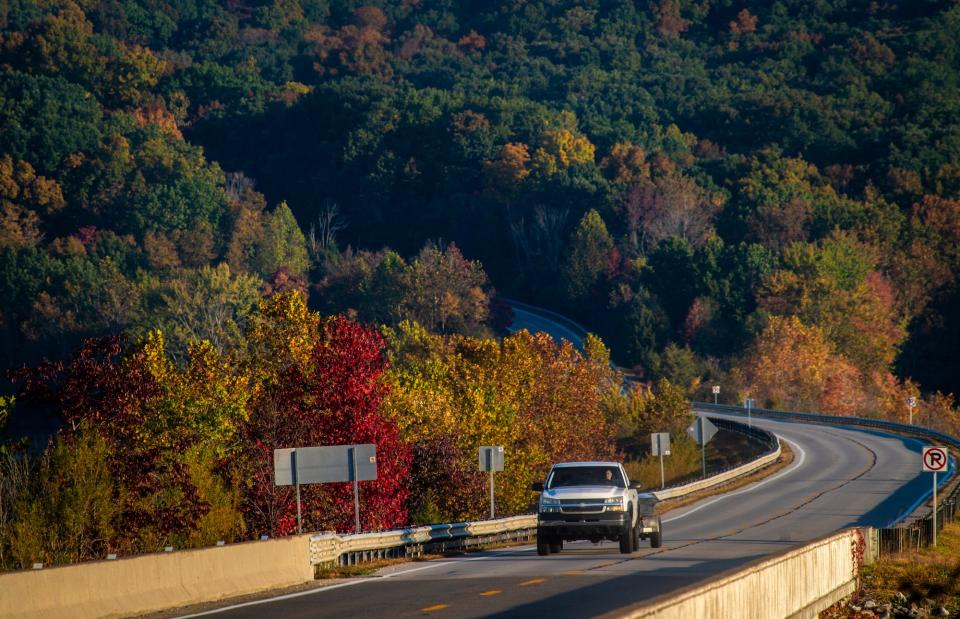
(550, 507)
(614, 504)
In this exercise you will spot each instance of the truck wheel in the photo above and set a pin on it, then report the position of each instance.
(543, 547)
(635, 538)
(627, 545)
(656, 538)
(556, 546)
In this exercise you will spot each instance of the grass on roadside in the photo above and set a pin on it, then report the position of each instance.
(683, 462)
(931, 573)
(355, 571)
(785, 459)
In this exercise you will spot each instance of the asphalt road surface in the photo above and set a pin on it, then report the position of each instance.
(839, 478)
(533, 322)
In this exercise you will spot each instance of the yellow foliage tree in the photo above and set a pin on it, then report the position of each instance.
(509, 168)
(562, 149)
(540, 400)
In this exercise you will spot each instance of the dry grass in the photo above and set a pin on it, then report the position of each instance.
(932, 574)
(353, 571)
(786, 457)
(682, 463)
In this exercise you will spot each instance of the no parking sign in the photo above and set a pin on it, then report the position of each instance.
(934, 459)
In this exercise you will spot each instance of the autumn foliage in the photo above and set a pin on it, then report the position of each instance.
(182, 452)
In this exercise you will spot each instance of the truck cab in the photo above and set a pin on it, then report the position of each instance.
(593, 501)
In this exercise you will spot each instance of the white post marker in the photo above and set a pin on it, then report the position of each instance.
(701, 431)
(748, 403)
(716, 392)
(935, 460)
(491, 460)
(660, 446)
(911, 404)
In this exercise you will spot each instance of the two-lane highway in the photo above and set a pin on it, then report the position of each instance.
(839, 478)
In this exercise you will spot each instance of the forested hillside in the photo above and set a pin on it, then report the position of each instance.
(764, 195)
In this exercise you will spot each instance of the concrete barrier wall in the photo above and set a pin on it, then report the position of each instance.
(155, 582)
(797, 583)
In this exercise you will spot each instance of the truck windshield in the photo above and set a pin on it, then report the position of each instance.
(585, 476)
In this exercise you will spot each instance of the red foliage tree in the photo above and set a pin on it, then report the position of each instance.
(332, 399)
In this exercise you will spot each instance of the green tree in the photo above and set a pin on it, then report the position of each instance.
(71, 510)
(283, 245)
(44, 119)
(588, 253)
(207, 304)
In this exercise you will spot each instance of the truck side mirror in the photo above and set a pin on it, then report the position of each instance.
(537, 486)
(635, 485)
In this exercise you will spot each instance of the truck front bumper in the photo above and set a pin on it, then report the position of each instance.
(583, 526)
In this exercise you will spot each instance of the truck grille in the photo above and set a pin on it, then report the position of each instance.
(581, 506)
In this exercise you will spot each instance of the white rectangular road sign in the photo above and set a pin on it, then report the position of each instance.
(660, 442)
(320, 465)
(491, 458)
(935, 459)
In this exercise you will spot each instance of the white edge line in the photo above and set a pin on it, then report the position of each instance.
(752, 487)
(349, 583)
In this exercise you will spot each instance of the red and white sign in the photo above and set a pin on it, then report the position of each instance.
(935, 459)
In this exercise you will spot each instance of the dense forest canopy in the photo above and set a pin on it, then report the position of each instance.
(715, 141)
(764, 195)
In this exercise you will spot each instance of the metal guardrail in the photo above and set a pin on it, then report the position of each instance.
(326, 548)
(879, 424)
(720, 478)
(415, 541)
(917, 535)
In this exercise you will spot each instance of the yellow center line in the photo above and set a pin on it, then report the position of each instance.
(535, 581)
(430, 609)
(492, 592)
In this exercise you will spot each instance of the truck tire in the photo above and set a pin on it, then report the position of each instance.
(656, 538)
(635, 539)
(543, 547)
(556, 546)
(627, 537)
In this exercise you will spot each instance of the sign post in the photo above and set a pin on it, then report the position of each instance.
(491, 460)
(748, 403)
(911, 404)
(660, 446)
(935, 460)
(702, 431)
(356, 489)
(296, 482)
(293, 466)
(716, 392)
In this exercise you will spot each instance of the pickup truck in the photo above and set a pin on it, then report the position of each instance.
(594, 501)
